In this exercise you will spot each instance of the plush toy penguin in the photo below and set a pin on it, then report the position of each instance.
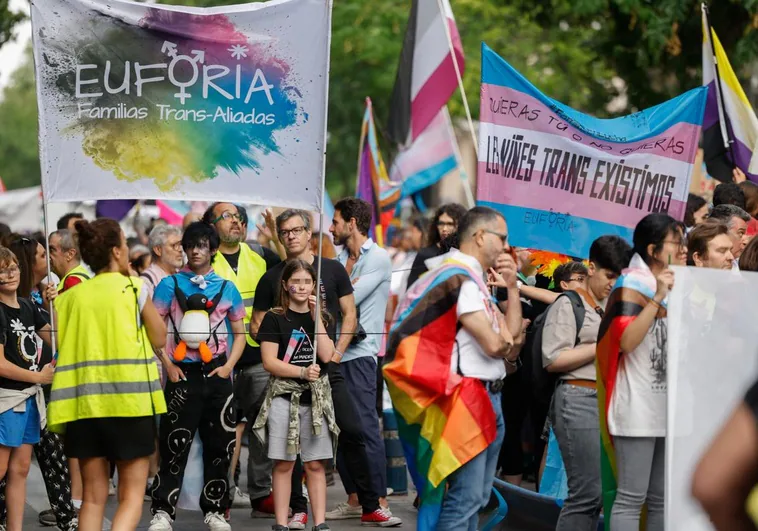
(195, 328)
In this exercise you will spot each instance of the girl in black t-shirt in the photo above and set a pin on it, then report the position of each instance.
(286, 336)
(22, 373)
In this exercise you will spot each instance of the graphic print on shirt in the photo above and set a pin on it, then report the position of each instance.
(28, 343)
(658, 355)
(300, 349)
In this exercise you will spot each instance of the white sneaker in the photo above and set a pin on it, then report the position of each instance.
(344, 511)
(216, 522)
(111, 488)
(160, 522)
(241, 499)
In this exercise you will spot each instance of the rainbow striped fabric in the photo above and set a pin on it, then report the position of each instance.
(634, 288)
(444, 419)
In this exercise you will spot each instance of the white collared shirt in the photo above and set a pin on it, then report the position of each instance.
(468, 355)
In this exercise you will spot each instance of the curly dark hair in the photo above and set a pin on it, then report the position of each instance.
(454, 210)
(352, 207)
(96, 240)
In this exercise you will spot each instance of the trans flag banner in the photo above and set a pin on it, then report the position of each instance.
(563, 178)
(140, 101)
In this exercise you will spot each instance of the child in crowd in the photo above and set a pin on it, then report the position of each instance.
(22, 375)
(297, 410)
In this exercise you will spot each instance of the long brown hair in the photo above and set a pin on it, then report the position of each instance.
(25, 250)
(290, 268)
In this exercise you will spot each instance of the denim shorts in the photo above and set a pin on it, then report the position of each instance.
(20, 427)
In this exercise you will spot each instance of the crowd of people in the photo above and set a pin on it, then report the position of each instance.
(194, 330)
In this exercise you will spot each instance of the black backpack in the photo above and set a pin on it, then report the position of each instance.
(543, 382)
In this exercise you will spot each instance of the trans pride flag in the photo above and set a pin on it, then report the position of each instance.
(444, 420)
(631, 293)
(563, 178)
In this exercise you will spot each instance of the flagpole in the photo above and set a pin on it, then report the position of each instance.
(364, 131)
(323, 183)
(461, 168)
(46, 216)
(460, 79)
(722, 108)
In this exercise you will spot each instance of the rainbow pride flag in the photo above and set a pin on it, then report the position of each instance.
(372, 184)
(634, 288)
(444, 419)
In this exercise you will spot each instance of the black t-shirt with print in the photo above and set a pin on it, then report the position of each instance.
(22, 346)
(335, 284)
(293, 332)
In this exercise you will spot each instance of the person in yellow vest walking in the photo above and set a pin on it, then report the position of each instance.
(244, 265)
(65, 260)
(106, 392)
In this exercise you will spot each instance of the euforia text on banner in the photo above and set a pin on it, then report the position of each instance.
(144, 101)
(563, 178)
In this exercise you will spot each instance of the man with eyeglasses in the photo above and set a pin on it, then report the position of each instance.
(165, 243)
(569, 352)
(244, 266)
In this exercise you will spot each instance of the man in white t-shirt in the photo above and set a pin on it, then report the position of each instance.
(485, 347)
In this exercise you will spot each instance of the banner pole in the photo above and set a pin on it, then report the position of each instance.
(461, 168)
(45, 221)
(323, 181)
(460, 79)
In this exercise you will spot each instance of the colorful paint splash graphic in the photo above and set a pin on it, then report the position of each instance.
(138, 128)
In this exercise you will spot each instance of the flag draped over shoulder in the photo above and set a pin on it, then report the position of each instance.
(444, 419)
(730, 127)
(426, 74)
(373, 184)
(634, 288)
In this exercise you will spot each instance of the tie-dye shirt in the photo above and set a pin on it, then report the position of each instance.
(229, 308)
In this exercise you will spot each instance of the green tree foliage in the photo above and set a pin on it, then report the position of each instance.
(19, 157)
(8, 19)
(573, 50)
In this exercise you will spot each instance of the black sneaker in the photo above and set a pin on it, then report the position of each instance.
(47, 518)
(277, 527)
(322, 527)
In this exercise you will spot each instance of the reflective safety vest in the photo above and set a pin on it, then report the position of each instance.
(250, 269)
(106, 366)
(79, 271)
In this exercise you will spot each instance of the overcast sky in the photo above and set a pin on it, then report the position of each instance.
(12, 52)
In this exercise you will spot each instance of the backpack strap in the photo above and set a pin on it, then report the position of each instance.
(577, 305)
(214, 303)
(149, 278)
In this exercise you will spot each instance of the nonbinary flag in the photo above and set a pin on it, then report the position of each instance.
(563, 178)
(730, 127)
(431, 156)
(426, 75)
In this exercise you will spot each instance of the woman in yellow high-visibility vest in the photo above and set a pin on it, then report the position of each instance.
(106, 390)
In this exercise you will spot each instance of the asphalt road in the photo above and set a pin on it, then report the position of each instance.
(36, 501)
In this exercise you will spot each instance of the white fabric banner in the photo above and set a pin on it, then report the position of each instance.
(144, 101)
(712, 343)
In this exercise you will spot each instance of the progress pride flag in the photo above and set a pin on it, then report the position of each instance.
(563, 178)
